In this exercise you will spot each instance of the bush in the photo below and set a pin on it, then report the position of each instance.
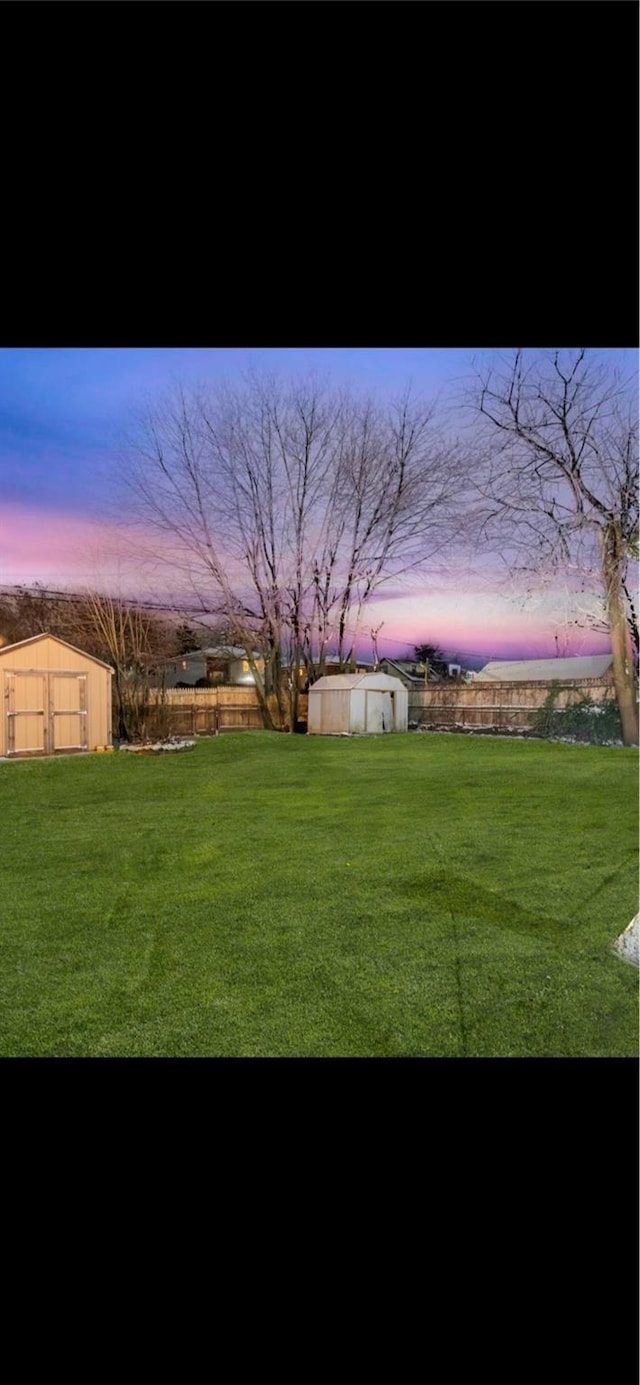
(583, 719)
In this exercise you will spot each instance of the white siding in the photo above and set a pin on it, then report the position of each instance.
(314, 714)
(357, 723)
(335, 711)
(401, 708)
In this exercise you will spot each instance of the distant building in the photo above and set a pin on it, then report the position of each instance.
(226, 664)
(229, 665)
(412, 674)
(332, 665)
(547, 670)
(407, 671)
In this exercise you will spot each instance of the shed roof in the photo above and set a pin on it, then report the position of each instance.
(547, 670)
(335, 681)
(35, 639)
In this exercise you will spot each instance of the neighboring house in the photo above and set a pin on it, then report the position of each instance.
(406, 671)
(187, 668)
(225, 664)
(228, 665)
(547, 670)
(332, 666)
(412, 674)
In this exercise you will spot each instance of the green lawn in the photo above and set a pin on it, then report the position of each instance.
(271, 895)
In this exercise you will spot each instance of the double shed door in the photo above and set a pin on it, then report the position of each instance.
(45, 712)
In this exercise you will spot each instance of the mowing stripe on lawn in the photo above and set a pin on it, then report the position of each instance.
(265, 895)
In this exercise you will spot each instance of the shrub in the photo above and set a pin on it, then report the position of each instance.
(583, 719)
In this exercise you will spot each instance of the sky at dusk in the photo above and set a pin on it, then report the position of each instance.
(62, 521)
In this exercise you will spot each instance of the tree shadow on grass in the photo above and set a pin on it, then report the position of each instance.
(462, 897)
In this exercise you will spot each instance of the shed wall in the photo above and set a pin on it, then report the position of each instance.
(335, 710)
(401, 704)
(314, 714)
(329, 711)
(358, 711)
(35, 665)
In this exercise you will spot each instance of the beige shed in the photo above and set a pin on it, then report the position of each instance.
(55, 698)
(357, 704)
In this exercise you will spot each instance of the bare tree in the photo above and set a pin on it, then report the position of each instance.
(25, 612)
(133, 642)
(559, 481)
(373, 635)
(294, 503)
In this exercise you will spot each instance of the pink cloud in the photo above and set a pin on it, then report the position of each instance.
(481, 622)
(61, 548)
(66, 550)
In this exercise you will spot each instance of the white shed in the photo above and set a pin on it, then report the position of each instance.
(357, 704)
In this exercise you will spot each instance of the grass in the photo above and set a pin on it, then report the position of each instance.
(270, 895)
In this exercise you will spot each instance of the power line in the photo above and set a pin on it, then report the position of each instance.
(177, 608)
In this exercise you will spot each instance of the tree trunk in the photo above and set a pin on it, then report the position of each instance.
(263, 702)
(623, 671)
(293, 700)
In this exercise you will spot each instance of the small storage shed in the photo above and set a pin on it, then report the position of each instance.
(357, 704)
(54, 698)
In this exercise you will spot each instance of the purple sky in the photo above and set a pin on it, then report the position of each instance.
(62, 412)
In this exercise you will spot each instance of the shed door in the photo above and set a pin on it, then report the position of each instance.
(26, 720)
(68, 710)
(45, 712)
(379, 712)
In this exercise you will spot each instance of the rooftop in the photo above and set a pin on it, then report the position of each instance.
(545, 670)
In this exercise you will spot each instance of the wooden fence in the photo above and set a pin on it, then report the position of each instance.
(494, 704)
(206, 711)
(210, 711)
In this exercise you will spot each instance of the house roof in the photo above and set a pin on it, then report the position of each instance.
(340, 681)
(545, 670)
(35, 639)
(229, 651)
(405, 666)
(218, 651)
